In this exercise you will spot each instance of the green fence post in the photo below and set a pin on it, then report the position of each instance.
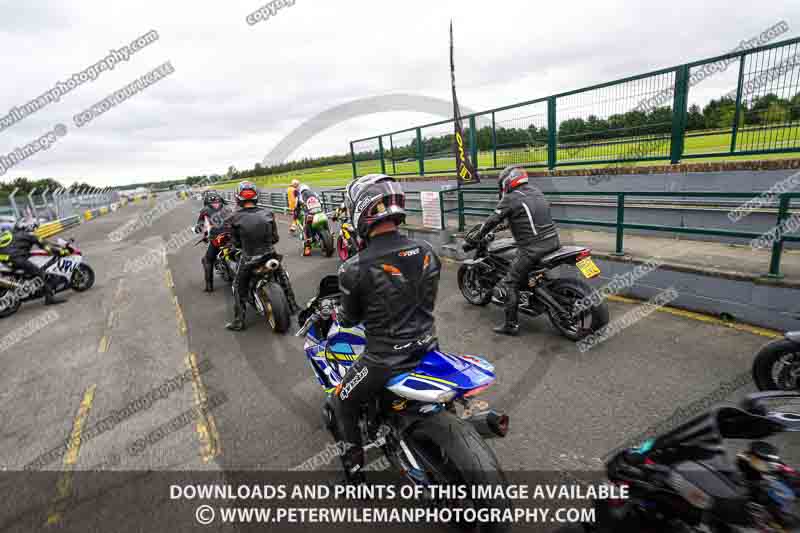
(391, 154)
(353, 159)
(777, 244)
(473, 142)
(380, 153)
(420, 153)
(679, 101)
(494, 142)
(551, 133)
(461, 218)
(738, 112)
(620, 223)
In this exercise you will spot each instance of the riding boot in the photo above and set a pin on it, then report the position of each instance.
(209, 275)
(50, 297)
(307, 248)
(239, 316)
(511, 324)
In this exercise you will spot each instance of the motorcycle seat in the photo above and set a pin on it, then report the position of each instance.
(562, 253)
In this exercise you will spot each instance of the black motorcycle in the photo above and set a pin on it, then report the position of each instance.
(478, 280)
(777, 364)
(267, 292)
(684, 480)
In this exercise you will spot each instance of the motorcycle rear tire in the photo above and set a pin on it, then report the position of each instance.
(765, 361)
(460, 456)
(276, 307)
(574, 290)
(326, 239)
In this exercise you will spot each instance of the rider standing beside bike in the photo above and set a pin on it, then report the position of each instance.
(390, 287)
(291, 199)
(308, 203)
(528, 214)
(18, 252)
(211, 221)
(254, 232)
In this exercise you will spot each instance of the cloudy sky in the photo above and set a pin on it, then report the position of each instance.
(238, 89)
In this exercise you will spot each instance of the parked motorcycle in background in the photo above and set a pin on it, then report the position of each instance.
(63, 271)
(416, 422)
(347, 243)
(684, 480)
(777, 364)
(478, 280)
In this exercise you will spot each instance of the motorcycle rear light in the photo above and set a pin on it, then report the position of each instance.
(477, 390)
(584, 254)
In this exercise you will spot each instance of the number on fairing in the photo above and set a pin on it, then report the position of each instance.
(66, 265)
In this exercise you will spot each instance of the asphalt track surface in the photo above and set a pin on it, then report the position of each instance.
(135, 331)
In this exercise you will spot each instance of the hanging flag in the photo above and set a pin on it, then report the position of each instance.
(464, 168)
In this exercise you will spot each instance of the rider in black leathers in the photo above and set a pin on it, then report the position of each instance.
(528, 214)
(214, 213)
(390, 287)
(254, 232)
(17, 252)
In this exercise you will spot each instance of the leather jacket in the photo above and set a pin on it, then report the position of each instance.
(254, 230)
(216, 218)
(528, 215)
(391, 287)
(19, 248)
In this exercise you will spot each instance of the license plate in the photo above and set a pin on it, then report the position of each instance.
(588, 268)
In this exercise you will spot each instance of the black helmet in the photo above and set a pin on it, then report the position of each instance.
(246, 192)
(374, 198)
(210, 197)
(512, 177)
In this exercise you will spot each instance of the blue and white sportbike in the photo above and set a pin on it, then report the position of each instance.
(426, 422)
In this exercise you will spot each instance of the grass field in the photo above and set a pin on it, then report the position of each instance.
(695, 143)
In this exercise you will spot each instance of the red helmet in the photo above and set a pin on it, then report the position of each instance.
(512, 177)
(246, 191)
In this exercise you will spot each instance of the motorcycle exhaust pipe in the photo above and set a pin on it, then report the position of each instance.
(489, 424)
(272, 264)
(9, 284)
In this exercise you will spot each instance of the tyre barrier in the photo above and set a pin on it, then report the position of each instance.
(57, 226)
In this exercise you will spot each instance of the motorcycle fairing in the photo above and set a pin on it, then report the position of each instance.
(439, 373)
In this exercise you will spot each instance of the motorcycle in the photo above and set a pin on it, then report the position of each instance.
(684, 480)
(347, 243)
(777, 364)
(62, 271)
(478, 279)
(319, 229)
(266, 292)
(227, 258)
(415, 421)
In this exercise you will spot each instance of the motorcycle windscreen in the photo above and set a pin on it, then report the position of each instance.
(699, 438)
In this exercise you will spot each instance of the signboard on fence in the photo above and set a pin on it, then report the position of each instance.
(431, 209)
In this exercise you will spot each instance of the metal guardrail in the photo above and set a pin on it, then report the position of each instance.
(647, 117)
(784, 204)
